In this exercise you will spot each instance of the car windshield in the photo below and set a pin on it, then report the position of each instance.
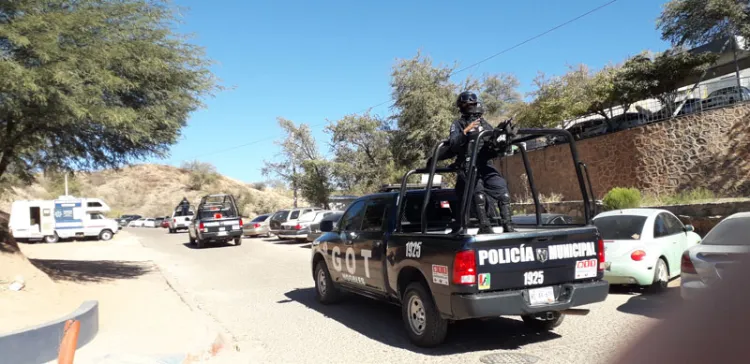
(734, 231)
(260, 218)
(620, 227)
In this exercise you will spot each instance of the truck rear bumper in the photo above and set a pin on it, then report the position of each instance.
(493, 304)
(216, 236)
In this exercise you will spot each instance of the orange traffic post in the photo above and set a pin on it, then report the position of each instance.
(69, 342)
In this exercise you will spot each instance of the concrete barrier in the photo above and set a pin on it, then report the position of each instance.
(40, 344)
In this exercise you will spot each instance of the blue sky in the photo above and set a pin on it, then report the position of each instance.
(314, 61)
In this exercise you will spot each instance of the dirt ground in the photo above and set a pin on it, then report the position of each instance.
(138, 311)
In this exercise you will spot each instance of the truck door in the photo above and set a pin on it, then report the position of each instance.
(369, 245)
(47, 218)
(343, 255)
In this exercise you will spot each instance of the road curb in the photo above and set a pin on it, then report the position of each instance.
(40, 343)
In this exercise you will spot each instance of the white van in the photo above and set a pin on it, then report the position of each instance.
(64, 218)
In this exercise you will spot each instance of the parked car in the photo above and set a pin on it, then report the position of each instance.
(315, 226)
(288, 215)
(124, 220)
(149, 222)
(300, 228)
(137, 223)
(643, 246)
(180, 221)
(257, 226)
(725, 96)
(165, 222)
(158, 221)
(705, 264)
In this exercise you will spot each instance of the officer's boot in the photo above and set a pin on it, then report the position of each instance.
(480, 202)
(505, 215)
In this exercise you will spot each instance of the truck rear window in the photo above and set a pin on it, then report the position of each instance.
(439, 213)
(620, 227)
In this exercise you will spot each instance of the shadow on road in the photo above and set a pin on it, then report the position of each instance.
(306, 246)
(91, 270)
(382, 322)
(289, 242)
(653, 305)
(208, 245)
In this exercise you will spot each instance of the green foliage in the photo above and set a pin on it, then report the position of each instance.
(622, 198)
(54, 184)
(697, 22)
(201, 174)
(90, 83)
(697, 195)
(260, 186)
(302, 164)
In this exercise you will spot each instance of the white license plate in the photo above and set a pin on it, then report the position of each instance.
(235, 227)
(221, 228)
(222, 233)
(541, 296)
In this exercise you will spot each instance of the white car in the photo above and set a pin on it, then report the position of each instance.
(643, 246)
(300, 228)
(707, 263)
(149, 222)
(137, 223)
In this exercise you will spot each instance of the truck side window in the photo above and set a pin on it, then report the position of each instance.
(352, 219)
(374, 215)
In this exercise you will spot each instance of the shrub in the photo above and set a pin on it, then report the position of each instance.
(690, 196)
(622, 198)
(202, 174)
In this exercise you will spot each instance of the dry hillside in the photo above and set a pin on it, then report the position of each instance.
(151, 190)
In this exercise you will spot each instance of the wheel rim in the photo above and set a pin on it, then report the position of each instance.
(322, 282)
(106, 236)
(417, 316)
(663, 276)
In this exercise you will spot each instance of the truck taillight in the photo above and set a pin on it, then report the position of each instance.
(174, 221)
(240, 222)
(201, 226)
(465, 268)
(601, 254)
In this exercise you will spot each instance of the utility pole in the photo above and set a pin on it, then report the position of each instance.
(736, 65)
(66, 183)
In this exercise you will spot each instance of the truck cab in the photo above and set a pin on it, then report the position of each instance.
(403, 247)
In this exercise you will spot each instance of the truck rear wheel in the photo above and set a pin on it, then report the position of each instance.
(51, 239)
(201, 243)
(545, 321)
(325, 291)
(238, 241)
(421, 318)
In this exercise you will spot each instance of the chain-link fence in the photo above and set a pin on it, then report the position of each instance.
(687, 100)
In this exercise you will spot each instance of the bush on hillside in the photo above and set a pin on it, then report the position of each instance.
(622, 198)
(202, 174)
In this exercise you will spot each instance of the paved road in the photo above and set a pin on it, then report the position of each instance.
(263, 293)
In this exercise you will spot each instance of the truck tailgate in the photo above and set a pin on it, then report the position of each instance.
(536, 259)
(221, 225)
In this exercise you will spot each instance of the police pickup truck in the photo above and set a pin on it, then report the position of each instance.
(218, 220)
(382, 249)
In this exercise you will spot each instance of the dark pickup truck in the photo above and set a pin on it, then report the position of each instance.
(217, 220)
(382, 249)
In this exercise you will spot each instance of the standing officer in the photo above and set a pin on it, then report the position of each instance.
(492, 183)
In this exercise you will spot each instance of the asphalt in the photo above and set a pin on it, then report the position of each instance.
(262, 292)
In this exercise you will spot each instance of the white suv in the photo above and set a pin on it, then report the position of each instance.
(288, 215)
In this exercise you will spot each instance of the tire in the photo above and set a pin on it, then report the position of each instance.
(51, 239)
(171, 231)
(192, 239)
(325, 292)
(661, 277)
(421, 318)
(106, 235)
(201, 243)
(539, 324)
(280, 238)
(238, 241)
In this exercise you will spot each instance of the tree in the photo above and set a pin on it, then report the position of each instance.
(697, 22)
(301, 163)
(555, 100)
(500, 95)
(201, 174)
(363, 158)
(660, 76)
(93, 84)
(424, 100)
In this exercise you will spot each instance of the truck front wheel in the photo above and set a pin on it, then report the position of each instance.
(545, 321)
(422, 320)
(325, 291)
(105, 235)
(51, 239)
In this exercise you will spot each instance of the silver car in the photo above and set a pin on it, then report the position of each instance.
(258, 226)
(707, 263)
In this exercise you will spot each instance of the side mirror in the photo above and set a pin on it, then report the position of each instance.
(326, 226)
(688, 228)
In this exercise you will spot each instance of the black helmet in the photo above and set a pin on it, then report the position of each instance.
(468, 103)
